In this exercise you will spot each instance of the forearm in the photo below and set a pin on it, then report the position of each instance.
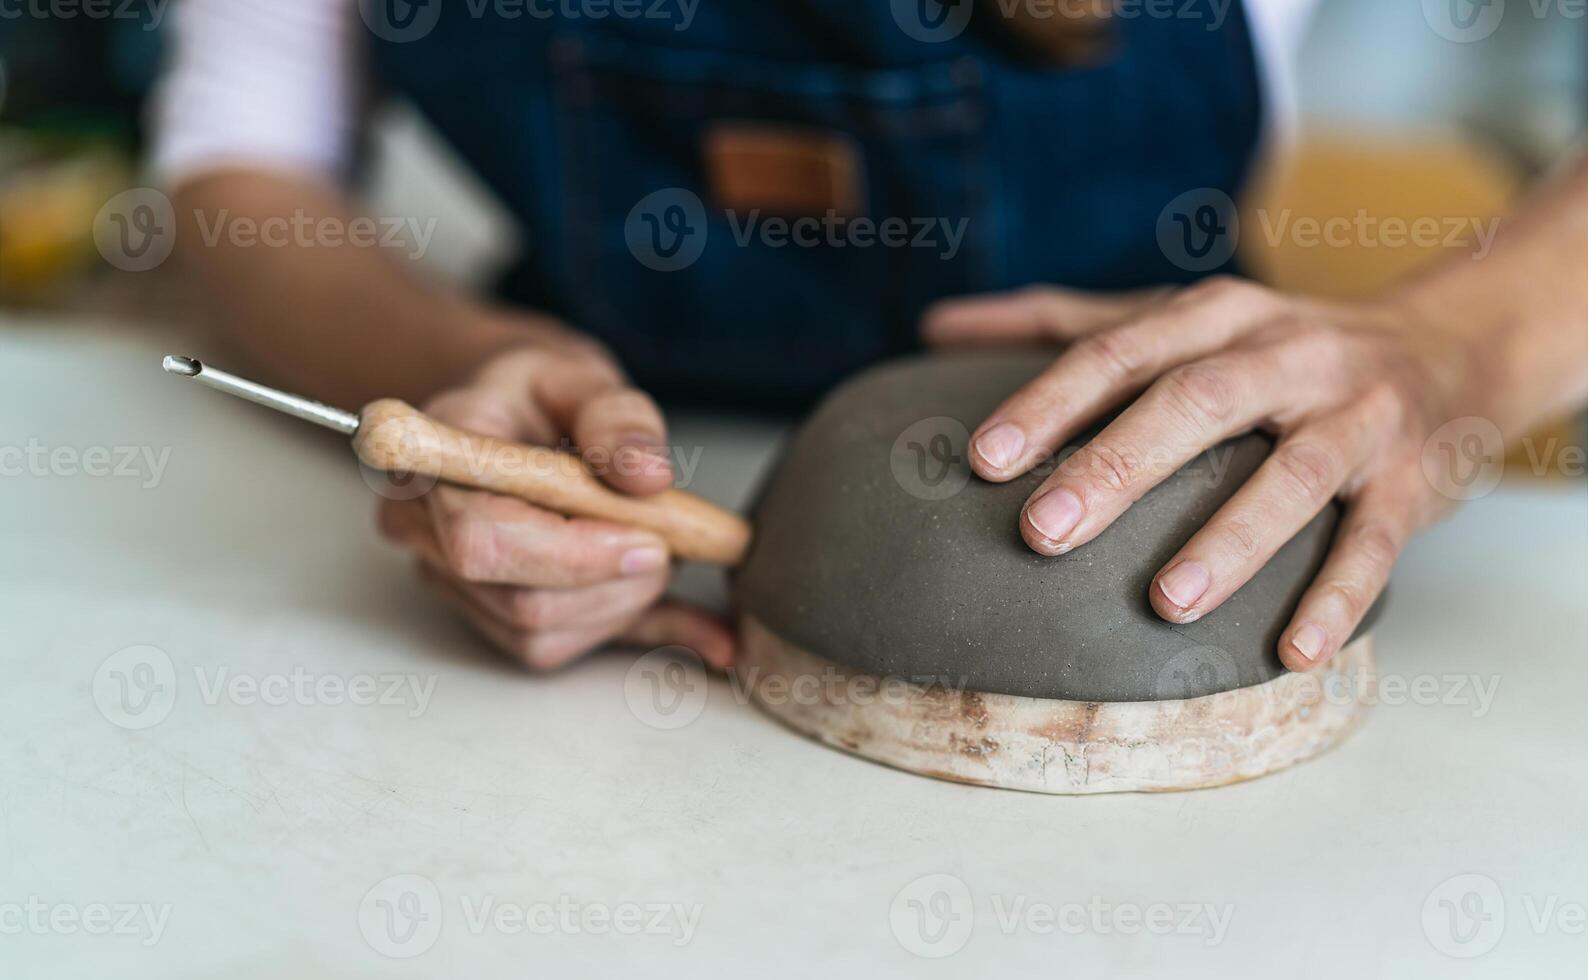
(342, 322)
(1521, 309)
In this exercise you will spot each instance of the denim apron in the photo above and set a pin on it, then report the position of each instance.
(581, 123)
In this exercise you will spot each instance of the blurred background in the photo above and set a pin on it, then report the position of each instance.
(1397, 119)
(1458, 124)
(1384, 98)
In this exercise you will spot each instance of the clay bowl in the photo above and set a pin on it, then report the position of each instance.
(890, 609)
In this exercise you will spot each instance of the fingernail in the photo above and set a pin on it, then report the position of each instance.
(643, 441)
(1000, 445)
(651, 457)
(1309, 641)
(654, 462)
(637, 561)
(1055, 514)
(1184, 584)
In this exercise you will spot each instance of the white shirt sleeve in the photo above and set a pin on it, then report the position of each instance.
(1278, 27)
(268, 83)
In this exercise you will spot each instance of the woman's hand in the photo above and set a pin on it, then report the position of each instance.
(543, 587)
(1350, 392)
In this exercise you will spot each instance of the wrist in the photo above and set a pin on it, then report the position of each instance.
(1470, 354)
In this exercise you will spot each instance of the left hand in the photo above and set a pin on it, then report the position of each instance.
(545, 588)
(1351, 393)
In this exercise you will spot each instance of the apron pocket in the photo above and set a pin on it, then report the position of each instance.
(666, 259)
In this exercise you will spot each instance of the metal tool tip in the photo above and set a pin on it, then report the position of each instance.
(185, 366)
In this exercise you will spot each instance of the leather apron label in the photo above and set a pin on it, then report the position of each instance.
(783, 170)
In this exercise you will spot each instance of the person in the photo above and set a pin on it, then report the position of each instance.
(1034, 156)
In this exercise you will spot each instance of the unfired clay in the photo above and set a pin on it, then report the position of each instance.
(878, 550)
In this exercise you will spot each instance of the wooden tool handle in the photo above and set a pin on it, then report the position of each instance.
(393, 435)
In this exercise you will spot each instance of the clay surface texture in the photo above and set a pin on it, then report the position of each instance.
(878, 549)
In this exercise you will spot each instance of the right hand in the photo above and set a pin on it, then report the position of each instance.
(543, 587)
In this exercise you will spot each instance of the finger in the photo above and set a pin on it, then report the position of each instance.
(1038, 313)
(485, 537)
(396, 518)
(493, 410)
(619, 600)
(1302, 475)
(407, 523)
(617, 428)
(1370, 538)
(1107, 367)
(681, 624)
(410, 523)
(536, 649)
(1187, 411)
(621, 435)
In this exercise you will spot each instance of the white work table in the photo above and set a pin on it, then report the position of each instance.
(552, 831)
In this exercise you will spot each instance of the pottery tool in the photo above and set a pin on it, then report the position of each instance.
(888, 607)
(391, 435)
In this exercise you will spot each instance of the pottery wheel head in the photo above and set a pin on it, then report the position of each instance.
(878, 548)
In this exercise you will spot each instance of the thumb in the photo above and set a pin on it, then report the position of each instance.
(618, 428)
(1032, 315)
(674, 623)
